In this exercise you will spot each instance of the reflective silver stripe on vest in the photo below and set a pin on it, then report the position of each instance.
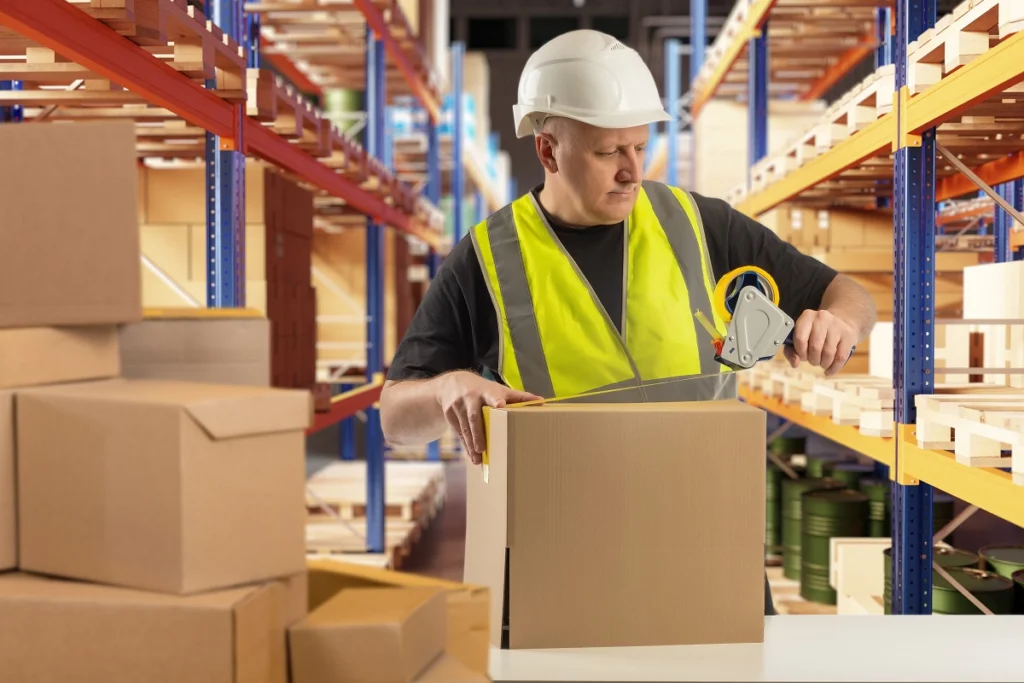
(681, 237)
(515, 294)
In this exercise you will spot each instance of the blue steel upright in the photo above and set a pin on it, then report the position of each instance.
(698, 47)
(458, 132)
(225, 189)
(883, 57)
(914, 329)
(757, 101)
(673, 86)
(433, 258)
(15, 113)
(1001, 222)
(375, 146)
(1018, 203)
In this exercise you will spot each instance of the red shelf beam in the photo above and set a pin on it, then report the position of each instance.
(72, 33)
(346, 405)
(994, 173)
(375, 19)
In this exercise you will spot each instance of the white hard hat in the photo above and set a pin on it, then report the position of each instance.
(588, 76)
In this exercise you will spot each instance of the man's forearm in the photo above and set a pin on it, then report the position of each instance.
(410, 413)
(846, 299)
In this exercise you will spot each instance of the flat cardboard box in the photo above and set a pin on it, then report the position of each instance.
(8, 489)
(447, 669)
(623, 524)
(370, 635)
(70, 225)
(213, 350)
(172, 487)
(32, 356)
(469, 608)
(55, 631)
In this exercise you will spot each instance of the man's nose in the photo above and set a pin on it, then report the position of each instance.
(631, 167)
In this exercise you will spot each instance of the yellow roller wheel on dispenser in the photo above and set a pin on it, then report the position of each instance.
(735, 280)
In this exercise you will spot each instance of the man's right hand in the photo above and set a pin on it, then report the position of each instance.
(463, 395)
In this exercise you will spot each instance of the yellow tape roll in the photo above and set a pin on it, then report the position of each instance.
(724, 283)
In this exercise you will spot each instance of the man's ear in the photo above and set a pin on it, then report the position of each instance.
(546, 145)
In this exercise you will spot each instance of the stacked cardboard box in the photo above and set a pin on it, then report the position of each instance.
(156, 527)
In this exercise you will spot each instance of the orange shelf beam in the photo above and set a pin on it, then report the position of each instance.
(877, 448)
(72, 33)
(994, 173)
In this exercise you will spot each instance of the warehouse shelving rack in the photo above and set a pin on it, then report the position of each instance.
(909, 134)
(115, 41)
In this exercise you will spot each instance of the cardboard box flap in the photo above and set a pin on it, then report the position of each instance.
(223, 411)
(447, 669)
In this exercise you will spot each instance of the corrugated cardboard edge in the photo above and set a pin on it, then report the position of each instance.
(278, 410)
(259, 637)
(487, 530)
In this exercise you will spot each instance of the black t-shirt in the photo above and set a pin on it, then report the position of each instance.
(456, 328)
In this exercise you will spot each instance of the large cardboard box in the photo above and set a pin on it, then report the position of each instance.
(213, 350)
(370, 635)
(54, 631)
(621, 524)
(469, 611)
(8, 489)
(69, 232)
(165, 486)
(46, 355)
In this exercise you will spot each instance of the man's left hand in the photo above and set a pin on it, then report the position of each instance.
(823, 339)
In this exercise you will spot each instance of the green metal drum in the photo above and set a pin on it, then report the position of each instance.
(1004, 560)
(991, 590)
(947, 558)
(1018, 591)
(821, 464)
(784, 446)
(792, 513)
(878, 493)
(827, 513)
(773, 511)
(852, 473)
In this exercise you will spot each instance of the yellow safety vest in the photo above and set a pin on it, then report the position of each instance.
(556, 338)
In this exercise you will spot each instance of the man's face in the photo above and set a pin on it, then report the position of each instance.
(601, 169)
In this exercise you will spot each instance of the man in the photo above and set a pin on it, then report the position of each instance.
(591, 280)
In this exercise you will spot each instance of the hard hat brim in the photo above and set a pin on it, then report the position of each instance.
(626, 119)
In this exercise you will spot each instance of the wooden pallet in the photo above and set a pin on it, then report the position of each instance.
(414, 492)
(968, 32)
(347, 540)
(171, 30)
(976, 427)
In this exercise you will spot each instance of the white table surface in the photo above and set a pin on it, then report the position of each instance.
(801, 648)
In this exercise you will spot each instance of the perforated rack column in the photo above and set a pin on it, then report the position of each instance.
(913, 328)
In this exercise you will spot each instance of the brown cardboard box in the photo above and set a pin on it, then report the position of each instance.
(469, 609)
(8, 490)
(608, 514)
(47, 355)
(295, 598)
(70, 225)
(55, 631)
(169, 486)
(370, 635)
(213, 350)
(447, 669)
